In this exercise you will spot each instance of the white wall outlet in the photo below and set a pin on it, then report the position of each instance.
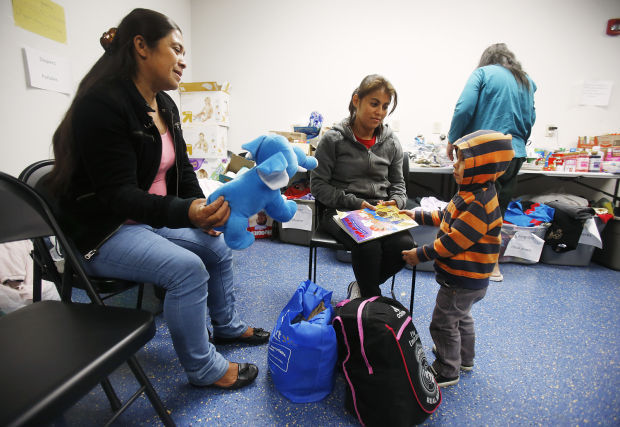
(436, 127)
(551, 130)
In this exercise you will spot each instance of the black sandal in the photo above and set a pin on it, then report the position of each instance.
(260, 336)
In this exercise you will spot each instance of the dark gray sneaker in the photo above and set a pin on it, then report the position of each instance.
(443, 381)
(464, 366)
(353, 291)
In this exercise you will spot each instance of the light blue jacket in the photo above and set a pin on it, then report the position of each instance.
(493, 99)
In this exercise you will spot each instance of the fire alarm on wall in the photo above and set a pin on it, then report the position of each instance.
(613, 27)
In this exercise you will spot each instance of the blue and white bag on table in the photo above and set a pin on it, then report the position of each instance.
(303, 347)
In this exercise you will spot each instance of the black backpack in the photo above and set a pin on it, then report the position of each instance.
(389, 381)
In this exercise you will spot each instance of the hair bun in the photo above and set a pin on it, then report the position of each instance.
(107, 38)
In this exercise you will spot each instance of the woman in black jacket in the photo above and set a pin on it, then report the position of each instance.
(128, 196)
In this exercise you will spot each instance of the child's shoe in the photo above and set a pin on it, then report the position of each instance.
(464, 366)
(443, 381)
(467, 367)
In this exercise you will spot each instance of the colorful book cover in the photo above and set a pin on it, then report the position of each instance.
(365, 224)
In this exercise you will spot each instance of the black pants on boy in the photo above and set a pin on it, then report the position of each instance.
(375, 261)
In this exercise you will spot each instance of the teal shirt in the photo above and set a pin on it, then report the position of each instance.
(493, 100)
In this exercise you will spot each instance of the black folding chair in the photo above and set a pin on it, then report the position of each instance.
(44, 263)
(322, 239)
(55, 352)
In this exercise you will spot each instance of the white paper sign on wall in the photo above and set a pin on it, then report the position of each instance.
(46, 71)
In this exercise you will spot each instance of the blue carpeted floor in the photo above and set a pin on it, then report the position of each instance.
(548, 350)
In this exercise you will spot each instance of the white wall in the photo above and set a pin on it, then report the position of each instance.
(286, 58)
(30, 116)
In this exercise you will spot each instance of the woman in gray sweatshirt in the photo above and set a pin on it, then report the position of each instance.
(360, 166)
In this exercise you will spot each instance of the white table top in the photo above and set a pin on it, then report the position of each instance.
(523, 171)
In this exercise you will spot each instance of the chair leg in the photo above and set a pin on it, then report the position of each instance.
(310, 263)
(140, 296)
(115, 402)
(36, 282)
(413, 270)
(150, 392)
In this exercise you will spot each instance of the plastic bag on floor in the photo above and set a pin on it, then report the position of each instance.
(302, 347)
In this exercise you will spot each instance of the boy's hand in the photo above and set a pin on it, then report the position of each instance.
(387, 202)
(366, 205)
(411, 257)
(410, 214)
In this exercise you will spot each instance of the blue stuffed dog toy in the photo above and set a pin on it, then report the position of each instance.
(259, 188)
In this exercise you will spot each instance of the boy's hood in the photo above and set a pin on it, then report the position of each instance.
(487, 154)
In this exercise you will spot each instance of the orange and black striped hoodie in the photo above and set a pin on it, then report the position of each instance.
(468, 241)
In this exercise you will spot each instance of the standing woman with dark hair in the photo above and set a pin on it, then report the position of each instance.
(361, 166)
(498, 96)
(127, 195)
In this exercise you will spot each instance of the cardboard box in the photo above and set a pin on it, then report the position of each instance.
(206, 168)
(206, 141)
(609, 140)
(298, 137)
(261, 225)
(205, 103)
(306, 148)
(234, 165)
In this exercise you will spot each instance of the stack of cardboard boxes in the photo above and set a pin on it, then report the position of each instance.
(205, 120)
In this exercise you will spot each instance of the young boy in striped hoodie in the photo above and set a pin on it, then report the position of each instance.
(465, 250)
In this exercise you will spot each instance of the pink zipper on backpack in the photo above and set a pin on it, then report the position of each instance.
(360, 330)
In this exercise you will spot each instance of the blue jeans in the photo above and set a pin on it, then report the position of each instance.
(196, 271)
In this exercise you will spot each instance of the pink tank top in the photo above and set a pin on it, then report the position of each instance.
(167, 160)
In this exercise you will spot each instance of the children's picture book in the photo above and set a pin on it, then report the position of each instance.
(365, 224)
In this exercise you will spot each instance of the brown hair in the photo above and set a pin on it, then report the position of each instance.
(118, 61)
(369, 84)
(499, 54)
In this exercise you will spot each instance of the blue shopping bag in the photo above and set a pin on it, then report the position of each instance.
(303, 347)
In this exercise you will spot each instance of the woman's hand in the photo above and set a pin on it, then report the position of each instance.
(450, 151)
(208, 216)
(411, 257)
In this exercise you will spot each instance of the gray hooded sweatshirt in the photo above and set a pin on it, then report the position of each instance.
(349, 173)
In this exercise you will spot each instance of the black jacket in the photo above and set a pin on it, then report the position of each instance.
(119, 152)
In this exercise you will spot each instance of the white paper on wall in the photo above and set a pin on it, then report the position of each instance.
(596, 92)
(47, 71)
